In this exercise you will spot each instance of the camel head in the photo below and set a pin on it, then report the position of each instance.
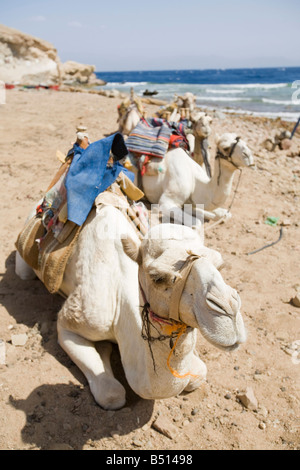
(201, 124)
(233, 149)
(206, 302)
(188, 100)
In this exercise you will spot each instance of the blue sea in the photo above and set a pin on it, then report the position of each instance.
(270, 92)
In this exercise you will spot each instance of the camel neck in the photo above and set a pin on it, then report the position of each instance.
(198, 155)
(221, 182)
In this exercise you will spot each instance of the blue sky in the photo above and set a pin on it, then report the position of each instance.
(163, 34)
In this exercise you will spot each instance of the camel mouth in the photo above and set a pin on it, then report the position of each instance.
(228, 348)
(234, 347)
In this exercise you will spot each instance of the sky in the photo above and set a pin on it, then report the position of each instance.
(119, 35)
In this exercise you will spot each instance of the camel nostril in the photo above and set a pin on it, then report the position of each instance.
(218, 305)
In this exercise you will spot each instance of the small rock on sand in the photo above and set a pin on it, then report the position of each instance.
(248, 399)
(19, 340)
(165, 426)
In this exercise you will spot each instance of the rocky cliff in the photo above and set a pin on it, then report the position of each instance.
(28, 60)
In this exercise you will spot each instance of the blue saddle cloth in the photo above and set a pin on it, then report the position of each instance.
(89, 175)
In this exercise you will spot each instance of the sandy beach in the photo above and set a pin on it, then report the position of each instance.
(45, 401)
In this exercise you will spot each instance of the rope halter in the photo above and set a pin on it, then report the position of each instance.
(179, 287)
(172, 327)
(228, 158)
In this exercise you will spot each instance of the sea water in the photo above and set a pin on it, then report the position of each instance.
(270, 92)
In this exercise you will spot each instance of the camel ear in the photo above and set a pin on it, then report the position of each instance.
(132, 249)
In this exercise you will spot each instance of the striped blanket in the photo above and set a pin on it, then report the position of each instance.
(153, 137)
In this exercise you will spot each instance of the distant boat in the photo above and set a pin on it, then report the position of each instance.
(150, 93)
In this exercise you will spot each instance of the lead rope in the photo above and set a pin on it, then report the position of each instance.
(170, 329)
(173, 371)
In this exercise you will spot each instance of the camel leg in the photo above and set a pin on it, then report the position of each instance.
(199, 371)
(202, 214)
(171, 212)
(107, 391)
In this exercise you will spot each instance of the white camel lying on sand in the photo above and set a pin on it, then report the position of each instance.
(182, 184)
(174, 277)
(197, 136)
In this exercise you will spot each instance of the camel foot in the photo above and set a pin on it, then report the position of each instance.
(108, 392)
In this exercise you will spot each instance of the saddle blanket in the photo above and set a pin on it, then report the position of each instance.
(48, 252)
(153, 137)
(48, 238)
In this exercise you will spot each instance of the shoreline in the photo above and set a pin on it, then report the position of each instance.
(284, 116)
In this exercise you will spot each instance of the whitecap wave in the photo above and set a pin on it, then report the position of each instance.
(230, 92)
(259, 85)
(125, 84)
(280, 102)
(222, 98)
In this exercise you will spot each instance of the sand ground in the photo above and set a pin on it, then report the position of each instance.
(45, 402)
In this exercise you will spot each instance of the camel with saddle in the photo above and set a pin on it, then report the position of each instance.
(182, 186)
(197, 130)
(148, 292)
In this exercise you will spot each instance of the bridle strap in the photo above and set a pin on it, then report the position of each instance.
(229, 158)
(179, 287)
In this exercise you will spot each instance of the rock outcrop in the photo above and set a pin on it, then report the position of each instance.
(74, 72)
(27, 60)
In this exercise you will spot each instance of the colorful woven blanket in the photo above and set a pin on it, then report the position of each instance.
(153, 137)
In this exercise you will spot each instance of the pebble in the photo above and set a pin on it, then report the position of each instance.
(165, 426)
(137, 442)
(2, 352)
(19, 340)
(285, 144)
(296, 300)
(293, 350)
(248, 399)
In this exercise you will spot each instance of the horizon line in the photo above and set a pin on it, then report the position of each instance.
(200, 69)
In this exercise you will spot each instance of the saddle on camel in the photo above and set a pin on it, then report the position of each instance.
(153, 138)
(90, 176)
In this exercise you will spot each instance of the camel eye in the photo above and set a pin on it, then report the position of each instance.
(158, 280)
